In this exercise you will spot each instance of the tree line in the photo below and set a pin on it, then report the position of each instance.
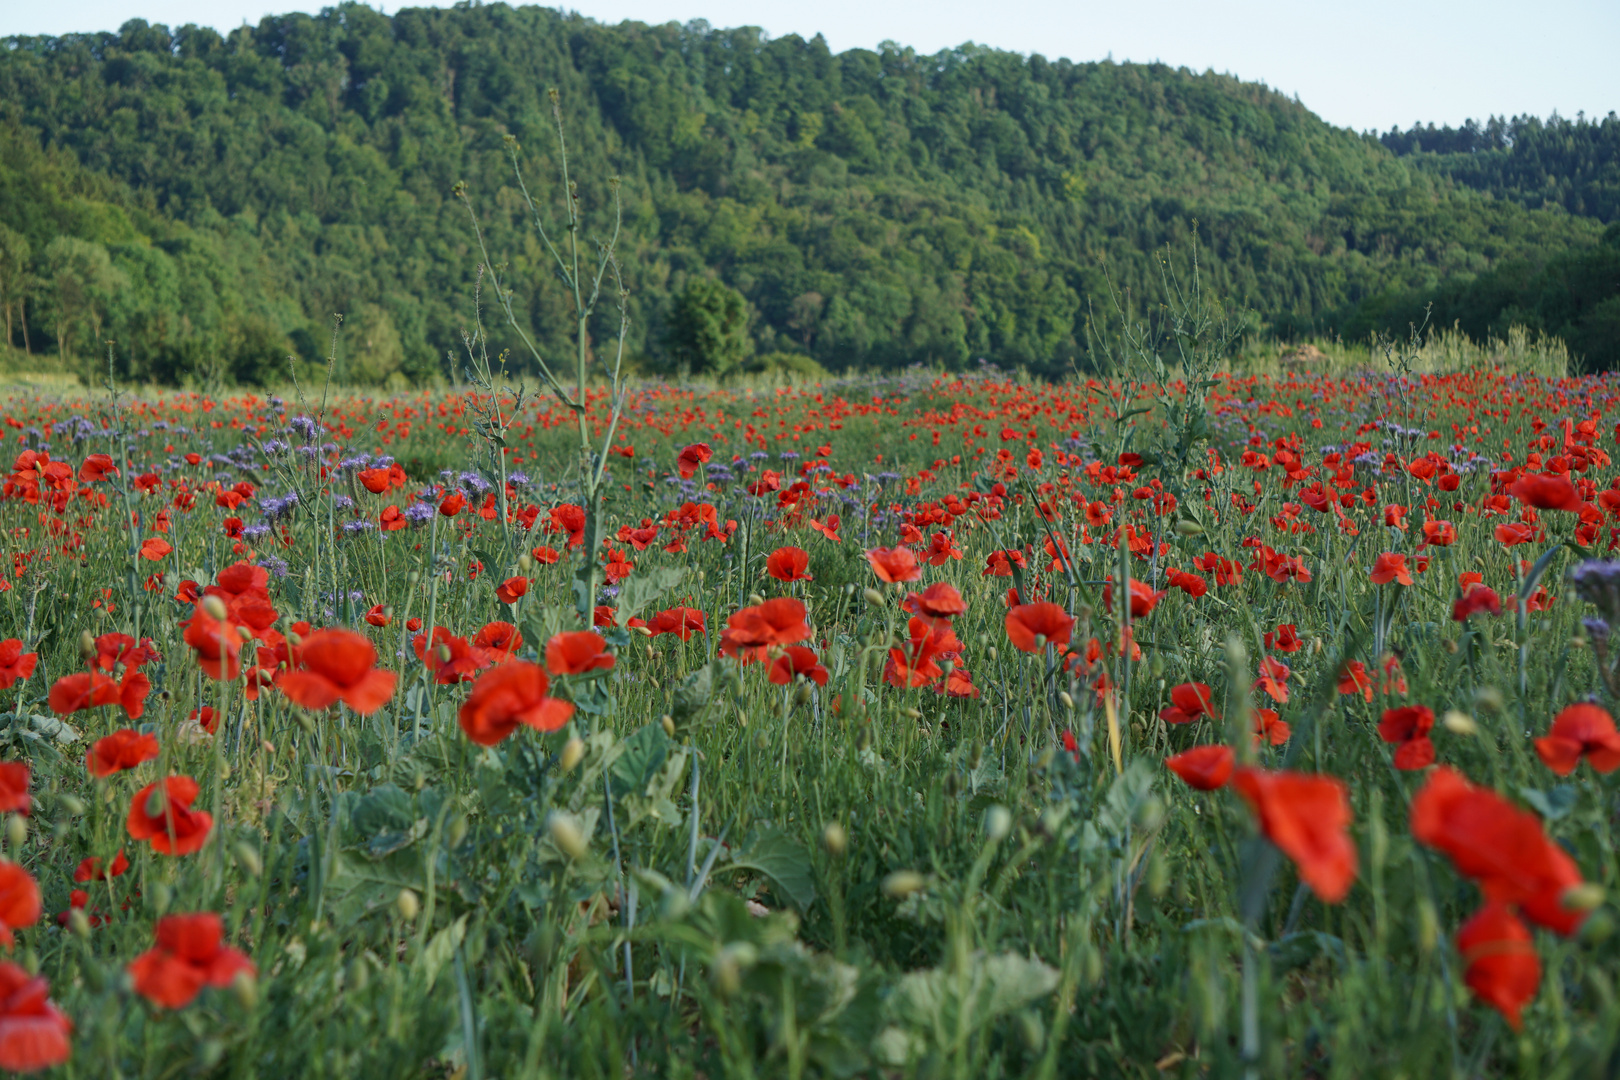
(210, 203)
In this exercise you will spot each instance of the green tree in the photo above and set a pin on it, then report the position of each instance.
(708, 328)
(76, 282)
(14, 278)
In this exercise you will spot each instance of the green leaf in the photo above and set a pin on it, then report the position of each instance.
(992, 986)
(785, 861)
(1552, 804)
(638, 592)
(644, 754)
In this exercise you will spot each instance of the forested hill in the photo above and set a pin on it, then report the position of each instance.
(208, 202)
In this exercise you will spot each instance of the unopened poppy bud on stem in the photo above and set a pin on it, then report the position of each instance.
(213, 607)
(667, 722)
(1489, 699)
(17, 830)
(874, 597)
(997, 823)
(1583, 897)
(1459, 723)
(87, 645)
(78, 923)
(1188, 527)
(407, 904)
(834, 839)
(573, 752)
(247, 857)
(1068, 702)
(246, 989)
(1428, 927)
(565, 833)
(755, 599)
(902, 883)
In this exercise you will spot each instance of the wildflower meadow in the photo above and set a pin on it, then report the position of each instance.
(937, 726)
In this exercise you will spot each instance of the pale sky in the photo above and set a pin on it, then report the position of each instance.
(1368, 64)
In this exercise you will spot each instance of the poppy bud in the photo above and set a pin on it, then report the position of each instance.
(754, 599)
(997, 823)
(1583, 897)
(1188, 527)
(413, 577)
(17, 830)
(458, 830)
(801, 694)
(407, 904)
(247, 857)
(1489, 699)
(245, 988)
(1068, 702)
(1428, 927)
(213, 607)
(1094, 966)
(992, 654)
(834, 839)
(358, 974)
(444, 653)
(1158, 873)
(910, 713)
(87, 646)
(1040, 642)
(572, 752)
(1459, 723)
(526, 563)
(245, 633)
(874, 597)
(902, 883)
(667, 722)
(729, 965)
(78, 923)
(73, 804)
(306, 721)
(158, 897)
(566, 835)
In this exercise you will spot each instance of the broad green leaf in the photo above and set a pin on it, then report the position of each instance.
(785, 861)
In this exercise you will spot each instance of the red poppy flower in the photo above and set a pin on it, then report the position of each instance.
(451, 659)
(1514, 533)
(894, 564)
(1284, 639)
(1503, 969)
(939, 601)
(166, 819)
(34, 1033)
(1546, 492)
(217, 644)
(1274, 679)
(19, 900)
(123, 749)
(1188, 702)
(82, 690)
(190, 954)
(797, 660)
(545, 555)
(376, 481)
(1144, 598)
(1268, 727)
(1499, 846)
(570, 519)
(115, 649)
(1204, 768)
(14, 782)
(941, 548)
(691, 457)
(575, 652)
(511, 694)
(379, 616)
(753, 630)
(90, 868)
(15, 665)
(1307, 816)
(1048, 621)
(499, 640)
(1582, 730)
(1390, 567)
(338, 665)
(154, 548)
(512, 590)
(788, 564)
(1354, 679)
(1476, 598)
(1439, 534)
(1409, 726)
(680, 621)
(915, 664)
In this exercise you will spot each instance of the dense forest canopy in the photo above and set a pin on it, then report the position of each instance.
(209, 202)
